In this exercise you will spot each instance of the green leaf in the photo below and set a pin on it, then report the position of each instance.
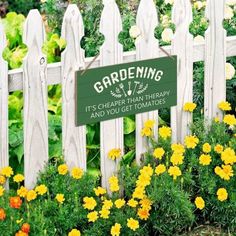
(129, 125)
(130, 140)
(129, 157)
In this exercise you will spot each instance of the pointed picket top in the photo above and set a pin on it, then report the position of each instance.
(73, 32)
(182, 13)
(147, 47)
(34, 31)
(147, 20)
(111, 53)
(182, 17)
(35, 99)
(73, 138)
(215, 59)
(110, 14)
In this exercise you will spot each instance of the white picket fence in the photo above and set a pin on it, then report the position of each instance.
(36, 75)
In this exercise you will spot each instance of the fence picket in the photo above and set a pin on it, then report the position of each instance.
(4, 161)
(74, 138)
(182, 17)
(147, 46)
(215, 59)
(35, 99)
(111, 52)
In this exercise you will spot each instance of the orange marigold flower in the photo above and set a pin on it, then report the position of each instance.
(2, 214)
(25, 228)
(21, 233)
(15, 202)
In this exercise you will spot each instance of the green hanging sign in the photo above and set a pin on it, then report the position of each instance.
(115, 91)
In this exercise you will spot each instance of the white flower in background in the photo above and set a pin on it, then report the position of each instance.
(171, 2)
(199, 39)
(229, 13)
(231, 2)
(134, 31)
(230, 71)
(43, 1)
(165, 21)
(167, 35)
(198, 5)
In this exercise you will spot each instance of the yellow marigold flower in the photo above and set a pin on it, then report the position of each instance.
(199, 202)
(224, 106)
(74, 232)
(160, 169)
(2, 180)
(191, 141)
(104, 213)
(228, 156)
(62, 169)
(114, 154)
(178, 148)
(115, 229)
(132, 203)
(114, 184)
(139, 192)
(189, 106)
(7, 171)
(22, 191)
(206, 148)
(41, 189)
(143, 213)
(147, 170)
(146, 132)
(89, 203)
(143, 180)
(149, 124)
(222, 194)
(92, 216)
(60, 198)
(218, 171)
(217, 119)
(229, 120)
(227, 172)
(165, 132)
(119, 203)
(107, 204)
(159, 153)
(132, 224)
(205, 159)
(146, 203)
(99, 191)
(1, 191)
(175, 172)
(77, 173)
(18, 178)
(31, 195)
(218, 148)
(177, 159)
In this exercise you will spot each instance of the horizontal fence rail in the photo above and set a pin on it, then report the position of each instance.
(15, 77)
(35, 75)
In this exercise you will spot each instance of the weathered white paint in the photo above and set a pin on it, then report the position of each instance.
(111, 52)
(182, 46)
(4, 157)
(215, 59)
(74, 138)
(35, 99)
(147, 46)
